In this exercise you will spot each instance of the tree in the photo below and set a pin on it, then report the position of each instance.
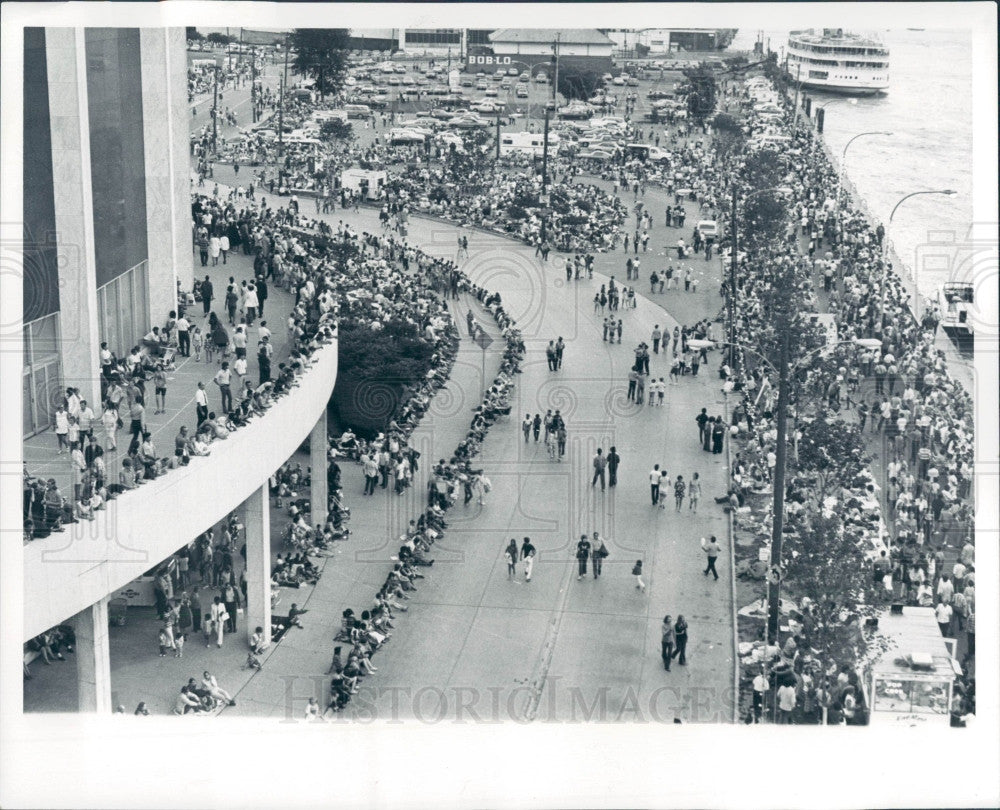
(335, 130)
(832, 451)
(192, 34)
(764, 168)
(575, 83)
(728, 137)
(641, 51)
(217, 38)
(321, 54)
(701, 91)
(825, 561)
(376, 368)
(764, 219)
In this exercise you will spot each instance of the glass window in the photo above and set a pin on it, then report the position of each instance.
(123, 307)
(44, 338)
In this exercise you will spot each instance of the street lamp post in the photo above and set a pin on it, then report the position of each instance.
(843, 158)
(545, 176)
(885, 253)
(215, 110)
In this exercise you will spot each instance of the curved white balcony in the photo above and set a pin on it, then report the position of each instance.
(69, 571)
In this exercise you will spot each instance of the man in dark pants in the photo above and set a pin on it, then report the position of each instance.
(261, 294)
(201, 403)
(206, 295)
(613, 461)
(711, 549)
(654, 484)
(550, 355)
(701, 419)
(600, 462)
(597, 553)
(582, 555)
(667, 642)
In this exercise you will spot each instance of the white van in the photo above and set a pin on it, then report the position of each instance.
(358, 110)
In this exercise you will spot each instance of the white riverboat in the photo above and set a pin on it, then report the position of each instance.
(838, 62)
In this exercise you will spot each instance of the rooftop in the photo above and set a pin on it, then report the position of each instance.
(575, 36)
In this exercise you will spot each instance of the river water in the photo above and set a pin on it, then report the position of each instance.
(928, 108)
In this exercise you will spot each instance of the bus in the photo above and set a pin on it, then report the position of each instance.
(528, 143)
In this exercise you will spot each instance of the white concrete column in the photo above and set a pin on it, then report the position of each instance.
(79, 346)
(318, 493)
(93, 658)
(167, 166)
(255, 515)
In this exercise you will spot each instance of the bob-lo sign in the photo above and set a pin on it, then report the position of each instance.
(488, 59)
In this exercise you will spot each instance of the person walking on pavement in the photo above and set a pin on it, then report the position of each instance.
(654, 484)
(510, 555)
(656, 335)
(702, 420)
(536, 425)
(637, 573)
(681, 639)
(711, 549)
(550, 355)
(582, 555)
(470, 320)
(206, 295)
(560, 348)
(679, 487)
(613, 461)
(668, 641)
(528, 557)
(598, 551)
(694, 493)
(718, 435)
(526, 427)
(600, 463)
(665, 487)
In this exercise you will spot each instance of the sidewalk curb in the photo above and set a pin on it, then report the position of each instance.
(732, 580)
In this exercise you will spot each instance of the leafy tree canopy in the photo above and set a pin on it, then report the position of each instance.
(575, 83)
(335, 129)
(321, 54)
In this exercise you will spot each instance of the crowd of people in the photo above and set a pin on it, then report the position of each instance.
(886, 369)
(388, 456)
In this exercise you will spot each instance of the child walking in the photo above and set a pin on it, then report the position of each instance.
(198, 341)
(511, 555)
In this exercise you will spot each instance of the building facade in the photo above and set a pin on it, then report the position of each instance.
(106, 208)
(583, 49)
